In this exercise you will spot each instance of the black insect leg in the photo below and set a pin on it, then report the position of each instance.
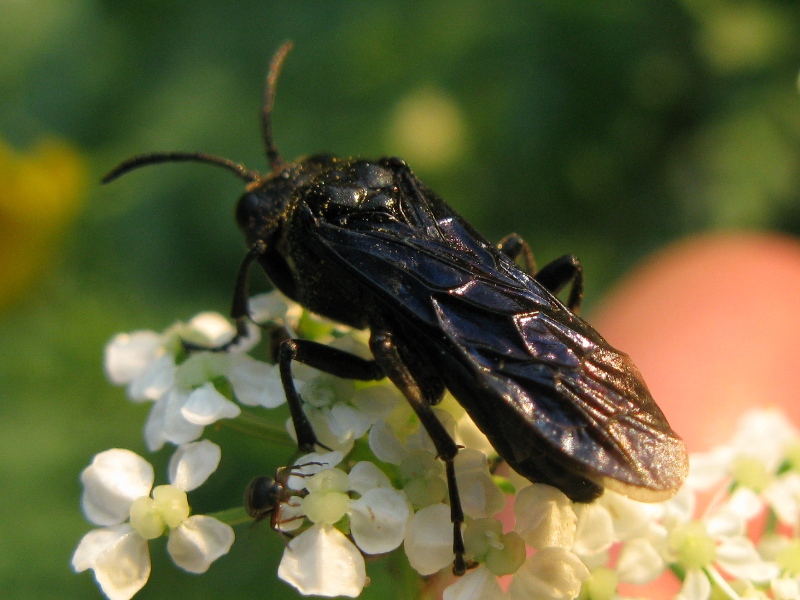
(554, 275)
(327, 359)
(388, 357)
(557, 274)
(513, 246)
(239, 307)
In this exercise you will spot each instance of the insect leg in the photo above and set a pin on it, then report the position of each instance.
(239, 306)
(557, 274)
(239, 310)
(388, 357)
(327, 359)
(554, 275)
(513, 246)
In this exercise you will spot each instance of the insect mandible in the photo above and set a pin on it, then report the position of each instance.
(367, 244)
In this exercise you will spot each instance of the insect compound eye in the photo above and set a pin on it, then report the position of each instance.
(260, 212)
(250, 207)
(262, 496)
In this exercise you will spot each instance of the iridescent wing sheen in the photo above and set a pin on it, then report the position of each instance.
(580, 397)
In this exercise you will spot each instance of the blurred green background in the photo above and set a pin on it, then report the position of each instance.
(604, 129)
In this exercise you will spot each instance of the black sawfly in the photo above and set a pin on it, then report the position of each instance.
(367, 244)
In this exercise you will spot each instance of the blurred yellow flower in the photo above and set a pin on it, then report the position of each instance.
(41, 191)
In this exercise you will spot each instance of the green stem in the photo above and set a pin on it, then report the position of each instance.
(249, 423)
(723, 585)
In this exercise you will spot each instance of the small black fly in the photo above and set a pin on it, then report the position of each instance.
(366, 243)
(265, 496)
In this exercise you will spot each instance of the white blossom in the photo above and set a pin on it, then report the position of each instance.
(716, 541)
(185, 400)
(569, 546)
(377, 519)
(549, 574)
(117, 487)
(545, 517)
(755, 451)
(321, 561)
(338, 410)
(429, 539)
(477, 584)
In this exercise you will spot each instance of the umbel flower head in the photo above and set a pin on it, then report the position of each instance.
(383, 490)
(119, 496)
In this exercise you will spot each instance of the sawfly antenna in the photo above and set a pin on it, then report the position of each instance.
(164, 157)
(274, 157)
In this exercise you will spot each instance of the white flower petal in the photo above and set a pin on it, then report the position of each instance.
(250, 340)
(155, 425)
(477, 584)
(745, 502)
(724, 522)
(639, 562)
(480, 496)
(292, 515)
(422, 441)
(346, 421)
(268, 306)
(707, 469)
(311, 464)
(678, 509)
(593, 561)
(696, 586)
(256, 383)
(191, 464)
(545, 517)
(595, 529)
(764, 433)
(771, 544)
(175, 428)
(112, 482)
(324, 390)
(783, 496)
(377, 401)
(385, 444)
(205, 405)
(127, 355)
(378, 520)
(468, 435)
(549, 574)
(198, 541)
(365, 476)
(213, 329)
(119, 557)
(200, 368)
(429, 539)
(321, 561)
(274, 306)
(157, 378)
(740, 558)
(630, 518)
(785, 588)
(320, 420)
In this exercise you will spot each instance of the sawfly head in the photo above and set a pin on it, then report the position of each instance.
(261, 206)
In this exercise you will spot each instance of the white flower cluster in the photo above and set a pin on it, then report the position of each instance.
(118, 495)
(339, 510)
